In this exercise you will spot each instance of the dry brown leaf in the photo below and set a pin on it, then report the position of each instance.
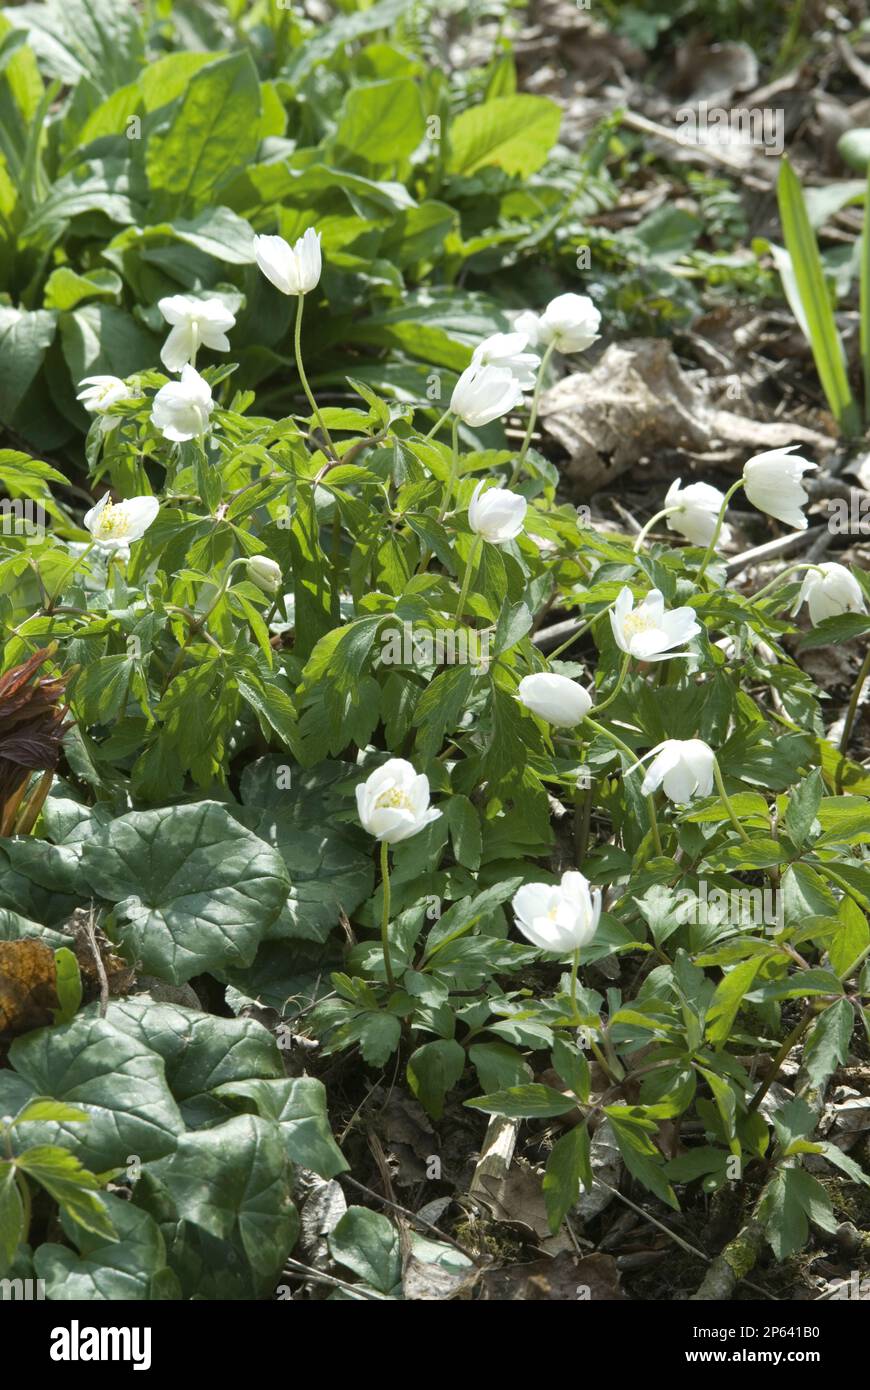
(28, 985)
(637, 401)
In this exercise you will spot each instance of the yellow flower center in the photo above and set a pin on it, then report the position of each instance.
(394, 798)
(638, 621)
(112, 522)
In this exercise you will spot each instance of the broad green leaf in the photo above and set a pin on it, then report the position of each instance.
(367, 1243)
(531, 1101)
(121, 1083)
(235, 1179)
(433, 1070)
(516, 133)
(25, 336)
(567, 1167)
(298, 1106)
(194, 891)
(381, 122)
(131, 1268)
(213, 133)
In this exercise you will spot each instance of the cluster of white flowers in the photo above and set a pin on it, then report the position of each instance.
(393, 802)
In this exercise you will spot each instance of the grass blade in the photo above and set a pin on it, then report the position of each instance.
(824, 339)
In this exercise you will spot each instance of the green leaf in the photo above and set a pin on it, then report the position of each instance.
(842, 1161)
(381, 122)
(25, 336)
(572, 1067)
(433, 1070)
(828, 1044)
(130, 1268)
(235, 1179)
(200, 1053)
(115, 1078)
(71, 1185)
(813, 294)
(41, 1108)
(531, 1101)
(642, 1158)
(516, 133)
(11, 1216)
(803, 806)
(367, 1243)
(568, 1166)
(499, 1066)
(298, 1106)
(378, 1035)
(68, 985)
(213, 133)
(729, 996)
(194, 891)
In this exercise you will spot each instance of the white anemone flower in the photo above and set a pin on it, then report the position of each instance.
(292, 269)
(684, 767)
(650, 632)
(115, 525)
(195, 323)
(100, 393)
(830, 593)
(393, 803)
(698, 507)
(772, 482)
(497, 515)
(559, 917)
(181, 409)
(557, 699)
(483, 394)
(508, 350)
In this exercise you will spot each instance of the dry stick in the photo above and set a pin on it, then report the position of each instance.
(91, 935)
(684, 1244)
(296, 1267)
(409, 1215)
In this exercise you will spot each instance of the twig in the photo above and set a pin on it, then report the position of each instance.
(361, 1291)
(90, 934)
(409, 1215)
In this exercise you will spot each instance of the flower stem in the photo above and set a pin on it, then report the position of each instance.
(454, 470)
(533, 414)
(70, 570)
(778, 579)
(632, 759)
(642, 535)
(853, 703)
(575, 965)
(715, 536)
(470, 567)
(385, 918)
(581, 631)
(654, 825)
(619, 684)
(297, 344)
(438, 423)
(732, 814)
